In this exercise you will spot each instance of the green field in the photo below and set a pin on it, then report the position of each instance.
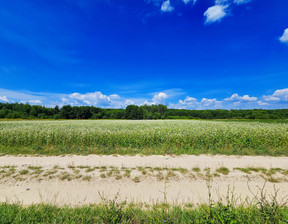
(143, 137)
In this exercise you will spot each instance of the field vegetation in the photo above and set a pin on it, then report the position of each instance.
(143, 137)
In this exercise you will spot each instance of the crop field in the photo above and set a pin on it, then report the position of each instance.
(143, 137)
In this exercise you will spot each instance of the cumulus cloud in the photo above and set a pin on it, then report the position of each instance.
(193, 103)
(166, 6)
(236, 97)
(188, 100)
(215, 13)
(284, 37)
(4, 98)
(160, 98)
(187, 103)
(95, 98)
(211, 103)
(239, 2)
(278, 95)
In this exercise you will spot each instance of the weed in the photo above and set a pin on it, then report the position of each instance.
(50, 172)
(34, 167)
(87, 178)
(76, 171)
(244, 170)
(83, 167)
(118, 177)
(160, 176)
(136, 179)
(183, 170)
(90, 169)
(275, 170)
(196, 169)
(223, 170)
(257, 169)
(171, 174)
(78, 176)
(23, 172)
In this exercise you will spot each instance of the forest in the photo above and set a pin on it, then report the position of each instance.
(131, 112)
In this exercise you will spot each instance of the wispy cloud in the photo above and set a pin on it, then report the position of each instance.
(239, 2)
(188, 1)
(284, 37)
(40, 48)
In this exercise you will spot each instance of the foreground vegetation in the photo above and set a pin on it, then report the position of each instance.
(26, 111)
(144, 137)
(113, 212)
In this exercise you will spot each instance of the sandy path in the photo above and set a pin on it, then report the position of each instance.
(150, 190)
(185, 161)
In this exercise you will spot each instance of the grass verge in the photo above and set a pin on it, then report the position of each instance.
(113, 212)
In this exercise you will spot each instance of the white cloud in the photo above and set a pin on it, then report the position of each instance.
(278, 95)
(114, 97)
(4, 98)
(221, 2)
(261, 103)
(284, 37)
(188, 100)
(236, 97)
(187, 1)
(239, 2)
(271, 98)
(211, 103)
(166, 6)
(215, 13)
(160, 98)
(187, 103)
(129, 102)
(35, 101)
(95, 98)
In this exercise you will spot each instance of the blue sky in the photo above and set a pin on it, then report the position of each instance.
(197, 54)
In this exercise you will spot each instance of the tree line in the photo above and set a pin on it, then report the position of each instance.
(132, 112)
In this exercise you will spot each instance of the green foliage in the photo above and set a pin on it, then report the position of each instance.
(132, 112)
(113, 212)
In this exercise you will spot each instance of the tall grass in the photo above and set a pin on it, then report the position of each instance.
(145, 137)
(220, 213)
